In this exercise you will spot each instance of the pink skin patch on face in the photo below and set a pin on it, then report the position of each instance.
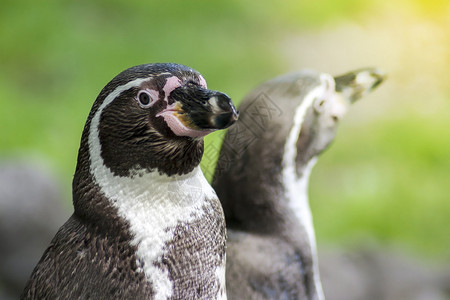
(170, 112)
(171, 84)
(202, 81)
(178, 127)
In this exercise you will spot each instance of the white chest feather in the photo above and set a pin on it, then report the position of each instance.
(153, 204)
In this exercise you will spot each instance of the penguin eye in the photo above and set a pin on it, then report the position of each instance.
(144, 98)
(320, 105)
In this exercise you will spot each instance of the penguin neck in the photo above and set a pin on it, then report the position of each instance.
(295, 176)
(96, 186)
(295, 180)
(296, 194)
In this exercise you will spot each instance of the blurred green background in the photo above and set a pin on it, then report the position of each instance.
(385, 179)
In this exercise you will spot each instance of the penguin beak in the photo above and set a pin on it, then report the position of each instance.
(354, 85)
(199, 110)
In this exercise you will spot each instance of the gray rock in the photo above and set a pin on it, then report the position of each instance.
(31, 211)
(378, 274)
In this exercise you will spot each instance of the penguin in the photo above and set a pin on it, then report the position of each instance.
(262, 175)
(146, 223)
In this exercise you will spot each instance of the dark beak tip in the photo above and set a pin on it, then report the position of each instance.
(234, 117)
(225, 120)
(229, 114)
(378, 75)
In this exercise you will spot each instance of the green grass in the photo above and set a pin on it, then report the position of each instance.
(55, 56)
(387, 180)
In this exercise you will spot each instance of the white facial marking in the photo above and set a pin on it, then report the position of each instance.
(153, 204)
(297, 188)
(94, 143)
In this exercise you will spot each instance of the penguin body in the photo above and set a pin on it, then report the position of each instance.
(262, 178)
(146, 223)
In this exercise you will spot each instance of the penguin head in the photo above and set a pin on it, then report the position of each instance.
(154, 116)
(284, 124)
(328, 107)
(291, 119)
